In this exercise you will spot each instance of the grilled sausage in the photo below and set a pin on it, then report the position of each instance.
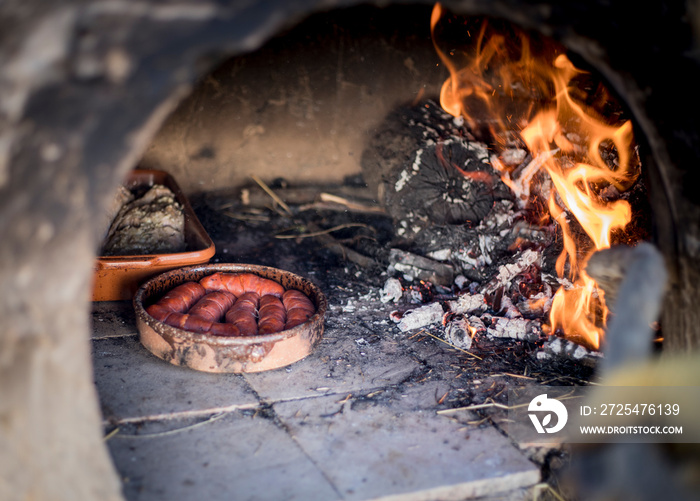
(243, 314)
(213, 305)
(296, 316)
(299, 308)
(187, 322)
(228, 330)
(272, 315)
(240, 283)
(178, 300)
(297, 299)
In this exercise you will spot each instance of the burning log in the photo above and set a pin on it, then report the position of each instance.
(459, 333)
(420, 317)
(468, 303)
(514, 328)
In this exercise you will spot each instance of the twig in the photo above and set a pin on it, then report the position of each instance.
(246, 217)
(339, 249)
(475, 407)
(272, 194)
(450, 344)
(513, 375)
(111, 434)
(213, 418)
(486, 405)
(539, 488)
(354, 206)
(323, 232)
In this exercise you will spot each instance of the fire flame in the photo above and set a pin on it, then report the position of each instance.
(502, 83)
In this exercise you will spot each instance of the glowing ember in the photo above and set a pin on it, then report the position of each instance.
(502, 83)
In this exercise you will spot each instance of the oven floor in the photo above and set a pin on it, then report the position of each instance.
(358, 419)
(351, 421)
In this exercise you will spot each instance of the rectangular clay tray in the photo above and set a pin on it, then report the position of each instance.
(118, 277)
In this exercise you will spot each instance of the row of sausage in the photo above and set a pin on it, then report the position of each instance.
(233, 304)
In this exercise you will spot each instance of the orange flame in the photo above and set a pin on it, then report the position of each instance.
(482, 87)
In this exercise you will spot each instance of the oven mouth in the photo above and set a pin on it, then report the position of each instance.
(319, 104)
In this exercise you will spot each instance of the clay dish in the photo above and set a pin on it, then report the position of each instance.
(204, 352)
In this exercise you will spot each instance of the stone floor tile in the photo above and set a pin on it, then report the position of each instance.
(113, 319)
(343, 362)
(389, 450)
(238, 457)
(132, 383)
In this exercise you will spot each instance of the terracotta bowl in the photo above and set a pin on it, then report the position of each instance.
(204, 352)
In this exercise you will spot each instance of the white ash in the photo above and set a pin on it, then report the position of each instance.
(556, 347)
(481, 150)
(486, 246)
(470, 259)
(461, 281)
(507, 272)
(415, 297)
(509, 309)
(457, 333)
(568, 348)
(468, 303)
(441, 255)
(537, 305)
(494, 232)
(406, 175)
(392, 291)
(500, 217)
(420, 317)
(476, 324)
(515, 328)
(520, 180)
(513, 156)
(563, 281)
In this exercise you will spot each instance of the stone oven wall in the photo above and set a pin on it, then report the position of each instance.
(303, 105)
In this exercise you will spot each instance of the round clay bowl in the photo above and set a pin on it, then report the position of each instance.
(204, 352)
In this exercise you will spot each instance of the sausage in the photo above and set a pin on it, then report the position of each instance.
(272, 315)
(296, 299)
(213, 305)
(187, 322)
(240, 283)
(299, 308)
(159, 312)
(296, 316)
(194, 323)
(244, 312)
(229, 330)
(178, 300)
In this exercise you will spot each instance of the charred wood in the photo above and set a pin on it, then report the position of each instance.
(419, 267)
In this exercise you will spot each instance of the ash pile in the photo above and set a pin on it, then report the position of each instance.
(468, 257)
